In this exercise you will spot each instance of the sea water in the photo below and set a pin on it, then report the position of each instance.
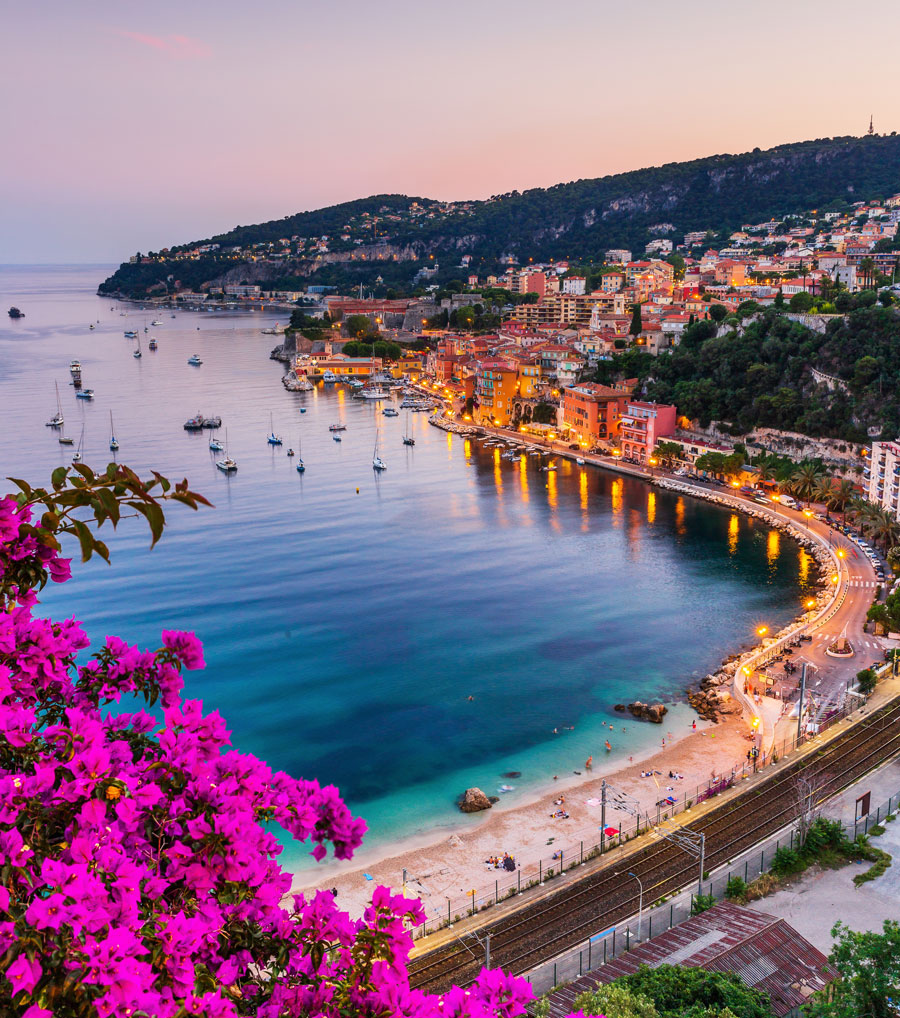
(348, 617)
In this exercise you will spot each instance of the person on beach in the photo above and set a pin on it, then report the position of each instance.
(589, 763)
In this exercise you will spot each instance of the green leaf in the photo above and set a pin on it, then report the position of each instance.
(24, 485)
(85, 537)
(101, 549)
(110, 504)
(58, 477)
(84, 470)
(154, 516)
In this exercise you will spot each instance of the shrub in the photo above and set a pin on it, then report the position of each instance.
(702, 903)
(786, 860)
(736, 888)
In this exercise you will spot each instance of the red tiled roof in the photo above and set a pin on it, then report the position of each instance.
(763, 950)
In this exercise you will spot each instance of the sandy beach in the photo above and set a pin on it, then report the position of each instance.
(452, 865)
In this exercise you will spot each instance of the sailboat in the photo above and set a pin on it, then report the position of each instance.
(137, 352)
(407, 438)
(377, 462)
(273, 439)
(57, 420)
(113, 441)
(79, 451)
(215, 445)
(301, 466)
(226, 464)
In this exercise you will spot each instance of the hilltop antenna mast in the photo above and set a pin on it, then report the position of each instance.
(871, 130)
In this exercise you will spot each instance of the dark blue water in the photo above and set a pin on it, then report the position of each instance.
(345, 630)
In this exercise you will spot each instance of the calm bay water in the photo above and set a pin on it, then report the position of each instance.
(345, 630)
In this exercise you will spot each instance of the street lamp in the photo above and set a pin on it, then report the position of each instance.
(640, 900)
(762, 630)
(808, 514)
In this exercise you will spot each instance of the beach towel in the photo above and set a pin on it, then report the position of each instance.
(610, 832)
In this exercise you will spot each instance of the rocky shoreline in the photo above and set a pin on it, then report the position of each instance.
(713, 700)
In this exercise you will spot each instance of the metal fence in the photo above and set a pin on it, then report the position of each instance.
(577, 851)
(606, 944)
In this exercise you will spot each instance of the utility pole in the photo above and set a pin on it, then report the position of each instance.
(702, 860)
(800, 709)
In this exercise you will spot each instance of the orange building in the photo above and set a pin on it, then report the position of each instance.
(495, 389)
(591, 412)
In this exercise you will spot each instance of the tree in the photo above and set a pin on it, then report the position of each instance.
(676, 991)
(868, 965)
(866, 680)
(637, 325)
(667, 452)
(806, 479)
(801, 302)
(360, 326)
(615, 1001)
(718, 313)
(867, 271)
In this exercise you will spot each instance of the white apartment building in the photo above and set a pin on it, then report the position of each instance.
(574, 284)
(883, 476)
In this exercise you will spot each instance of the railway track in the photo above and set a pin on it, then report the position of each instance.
(524, 938)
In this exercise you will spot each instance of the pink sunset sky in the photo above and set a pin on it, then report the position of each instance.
(134, 125)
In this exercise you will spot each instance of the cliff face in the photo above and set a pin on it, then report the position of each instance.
(583, 218)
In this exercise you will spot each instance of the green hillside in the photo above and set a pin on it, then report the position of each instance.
(579, 220)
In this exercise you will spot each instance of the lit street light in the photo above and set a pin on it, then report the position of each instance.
(762, 630)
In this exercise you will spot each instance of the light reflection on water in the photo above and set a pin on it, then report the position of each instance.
(346, 616)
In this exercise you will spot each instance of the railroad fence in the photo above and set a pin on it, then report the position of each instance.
(610, 942)
(622, 826)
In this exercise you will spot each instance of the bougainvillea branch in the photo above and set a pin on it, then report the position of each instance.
(138, 868)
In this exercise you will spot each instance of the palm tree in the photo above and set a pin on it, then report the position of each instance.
(824, 490)
(884, 529)
(867, 267)
(841, 496)
(805, 479)
(765, 469)
(893, 558)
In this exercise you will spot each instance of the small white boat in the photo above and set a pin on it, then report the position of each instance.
(76, 457)
(156, 321)
(153, 344)
(273, 439)
(137, 351)
(301, 466)
(215, 445)
(84, 394)
(113, 441)
(336, 438)
(377, 462)
(579, 461)
(130, 334)
(389, 411)
(375, 393)
(337, 427)
(329, 377)
(57, 420)
(75, 367)
(195, 360)
(226, 464)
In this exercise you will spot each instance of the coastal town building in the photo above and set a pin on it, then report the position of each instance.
(591, 412)
(495, 389)
(882, 475)
(642, 425)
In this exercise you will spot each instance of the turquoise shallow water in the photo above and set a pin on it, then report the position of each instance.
(343, 631)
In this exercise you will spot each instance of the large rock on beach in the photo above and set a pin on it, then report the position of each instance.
(648, 711)
(474, 800)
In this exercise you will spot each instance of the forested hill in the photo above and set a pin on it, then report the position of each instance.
(580, 220)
